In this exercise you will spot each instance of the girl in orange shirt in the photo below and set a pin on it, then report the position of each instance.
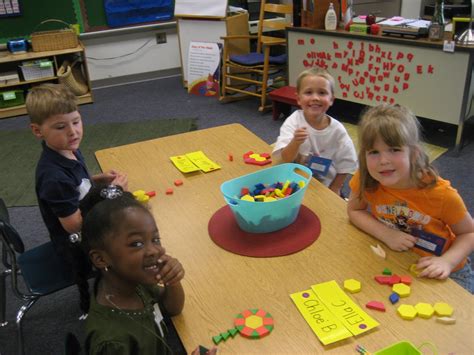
(398, 197)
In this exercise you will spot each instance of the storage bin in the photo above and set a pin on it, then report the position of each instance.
(400, 348)
(37, 69)
(265, 217)
(11, 98)
(128, 12)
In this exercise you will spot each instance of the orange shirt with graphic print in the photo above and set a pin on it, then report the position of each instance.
(431, 209)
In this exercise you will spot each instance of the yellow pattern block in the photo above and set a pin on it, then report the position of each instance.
(254, 322)
(351, 285)
(407, 311)
(425, 310)
(443, 309)
(402, 289)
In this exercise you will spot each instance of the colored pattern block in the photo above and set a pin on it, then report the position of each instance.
(446, 320)
(405, 279)
(378, 250)
(217, 339)
(254, 323)
(225, 335)
(383, 280)
(378, 306)
(257, 159)
(233, 332)
(169, 191)
(394, 279)
(443, 309)
(394, 298)
(407, 311)
(386, 271)
(425, 310)
(178, 182)
(401, 289)
(351, 285)
(414, 270)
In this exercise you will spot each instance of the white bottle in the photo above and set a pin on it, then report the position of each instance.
(330, 21)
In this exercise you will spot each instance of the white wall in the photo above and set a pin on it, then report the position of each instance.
(152, 57)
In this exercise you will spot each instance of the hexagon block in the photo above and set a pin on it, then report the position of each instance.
(443, 309)
(402, 289)
(425, 310)
(407, 311)
(351, 285)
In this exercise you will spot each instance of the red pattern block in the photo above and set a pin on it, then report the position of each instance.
(378, 306)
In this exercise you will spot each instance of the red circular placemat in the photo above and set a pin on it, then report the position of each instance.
(226, 233)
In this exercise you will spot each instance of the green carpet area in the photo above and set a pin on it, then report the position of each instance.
(20, 151)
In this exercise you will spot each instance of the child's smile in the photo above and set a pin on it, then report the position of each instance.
(315, 97)
(134, 249)
(390, 166)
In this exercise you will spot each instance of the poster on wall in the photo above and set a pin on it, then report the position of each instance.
(203, 68)
(10, 8)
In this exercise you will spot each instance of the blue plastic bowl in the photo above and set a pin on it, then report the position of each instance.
(265, 217)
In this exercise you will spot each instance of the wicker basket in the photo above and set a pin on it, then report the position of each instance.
(71, 76)
(54, 40)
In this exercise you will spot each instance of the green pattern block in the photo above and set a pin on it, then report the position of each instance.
(217, 339)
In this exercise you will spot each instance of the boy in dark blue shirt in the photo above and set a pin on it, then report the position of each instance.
(62, 179)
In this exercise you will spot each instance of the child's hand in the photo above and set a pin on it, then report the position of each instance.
(105, 178)
(400, 241)
(300, 135)
(121, 180)
(434, 267)
(171, 271)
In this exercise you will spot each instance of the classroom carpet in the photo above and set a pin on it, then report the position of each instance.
(433, 151)
(21, 150)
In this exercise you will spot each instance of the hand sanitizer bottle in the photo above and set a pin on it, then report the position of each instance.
(330, 21)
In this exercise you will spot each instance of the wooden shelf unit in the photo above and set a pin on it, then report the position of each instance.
(11, 62)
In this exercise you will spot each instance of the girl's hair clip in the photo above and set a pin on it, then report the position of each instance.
(75, 237)
(111, 192)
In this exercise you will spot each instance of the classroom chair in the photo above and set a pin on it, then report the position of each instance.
(41, 269)
(247, 75)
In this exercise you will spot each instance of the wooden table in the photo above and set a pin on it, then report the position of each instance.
(220, 284)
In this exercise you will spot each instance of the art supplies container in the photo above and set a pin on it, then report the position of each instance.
(265, 217)
(400, 348)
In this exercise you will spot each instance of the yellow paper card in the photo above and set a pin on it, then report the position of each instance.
(323, 323)
(350, 314)
(202, 161)
(184, 164)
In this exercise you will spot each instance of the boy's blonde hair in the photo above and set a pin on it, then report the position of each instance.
(47, 100)
(315, 72)
(397, 126)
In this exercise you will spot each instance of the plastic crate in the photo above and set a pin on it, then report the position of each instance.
(126, 12)
(265, 217)
(37, 69)
(400, 348)
(11, 98)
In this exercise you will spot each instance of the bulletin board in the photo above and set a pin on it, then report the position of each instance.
(427, 80)
(34, 12)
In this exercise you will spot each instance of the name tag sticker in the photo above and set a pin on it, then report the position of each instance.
(319, 165)
(429, 242)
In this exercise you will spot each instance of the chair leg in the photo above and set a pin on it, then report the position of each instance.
(3, 297)
(263, 98)
(19, 316)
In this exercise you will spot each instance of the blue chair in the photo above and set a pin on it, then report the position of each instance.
(248, 74)
(41, 269)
